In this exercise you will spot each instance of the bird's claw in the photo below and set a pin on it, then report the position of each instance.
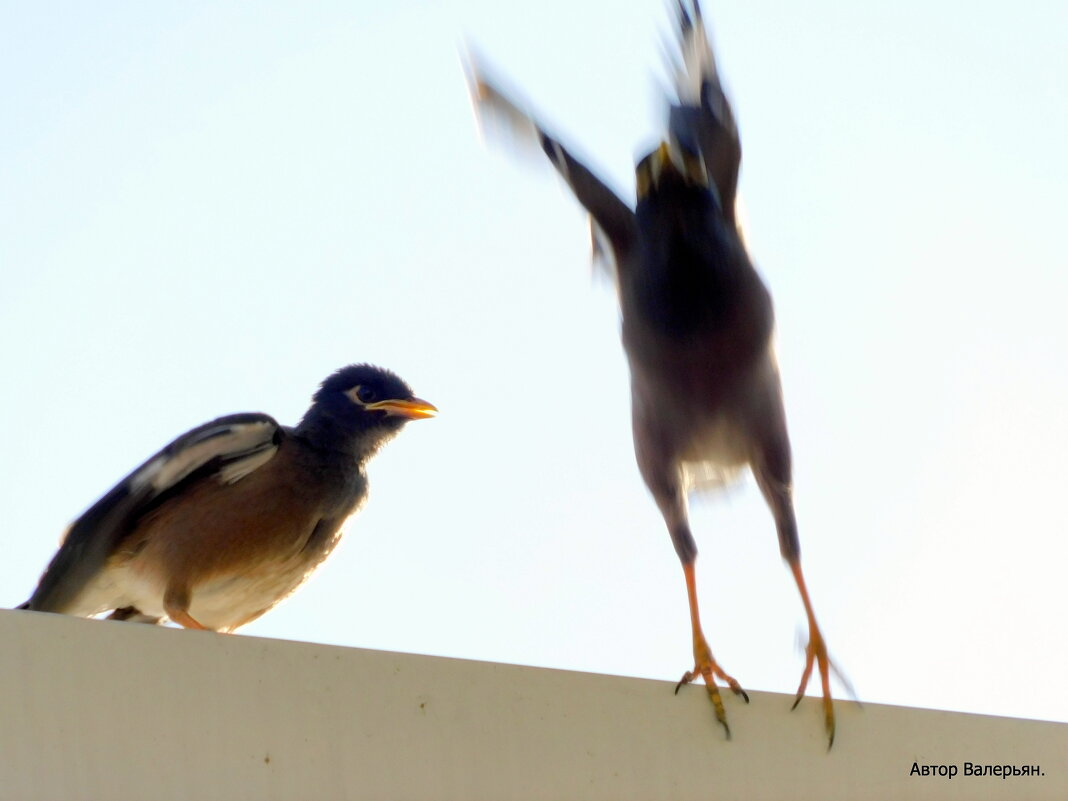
(816, 654)
(705, 667)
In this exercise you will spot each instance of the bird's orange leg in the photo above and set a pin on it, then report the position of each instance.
(186, 620)
(176, 605)
(815, 653)
(704, 665)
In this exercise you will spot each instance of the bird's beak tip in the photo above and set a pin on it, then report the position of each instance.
(418, 409)
(412, 409)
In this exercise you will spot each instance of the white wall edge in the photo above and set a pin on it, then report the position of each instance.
(99, 710)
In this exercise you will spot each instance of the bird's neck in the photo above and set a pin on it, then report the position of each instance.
(329, 436)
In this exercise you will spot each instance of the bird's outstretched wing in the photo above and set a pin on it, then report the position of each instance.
(701, 119)
(612, 227)
(224, 450)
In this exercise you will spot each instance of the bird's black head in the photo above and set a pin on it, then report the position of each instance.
(360, 407)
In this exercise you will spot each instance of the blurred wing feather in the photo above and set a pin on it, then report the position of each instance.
(612, 221)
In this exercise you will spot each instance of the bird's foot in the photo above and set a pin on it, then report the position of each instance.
(133, 615)
(186, 620)
(707, 668)
(176, 606)
(816, 654)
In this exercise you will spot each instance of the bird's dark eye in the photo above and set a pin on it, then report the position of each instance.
(366, 394)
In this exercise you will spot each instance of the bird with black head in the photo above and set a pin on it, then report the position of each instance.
(697, 323)
(231, 517)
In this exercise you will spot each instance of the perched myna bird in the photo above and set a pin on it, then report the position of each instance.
(231, 517)
(697, 324)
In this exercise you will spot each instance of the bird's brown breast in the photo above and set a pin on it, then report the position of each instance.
(256, 527)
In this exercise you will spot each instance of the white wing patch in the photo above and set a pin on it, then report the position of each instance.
(233, 439)
(235, 471)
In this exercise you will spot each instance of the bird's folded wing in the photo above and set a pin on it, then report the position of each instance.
(702, 119)
(232, 447)
(224, 450)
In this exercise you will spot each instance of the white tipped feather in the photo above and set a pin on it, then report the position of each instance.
(247, 465)
(602, 254)
(497, 113)
(698, 62)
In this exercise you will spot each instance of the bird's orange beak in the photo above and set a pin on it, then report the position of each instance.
(414, 409)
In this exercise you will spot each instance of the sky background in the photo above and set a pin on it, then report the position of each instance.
(207, 208)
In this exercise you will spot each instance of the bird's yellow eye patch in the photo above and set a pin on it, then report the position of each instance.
(643, 178)
(669, 158)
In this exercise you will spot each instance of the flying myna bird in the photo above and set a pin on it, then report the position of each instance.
(697, 324)
(231, 517)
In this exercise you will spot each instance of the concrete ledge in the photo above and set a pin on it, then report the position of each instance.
(96, 710)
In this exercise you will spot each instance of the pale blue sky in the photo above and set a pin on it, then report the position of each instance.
(206, 209)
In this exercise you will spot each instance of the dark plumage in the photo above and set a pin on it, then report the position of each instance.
(697, 323)
(231, 517)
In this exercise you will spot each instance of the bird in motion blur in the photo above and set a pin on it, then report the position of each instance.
(697, 323)
(231, 517)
